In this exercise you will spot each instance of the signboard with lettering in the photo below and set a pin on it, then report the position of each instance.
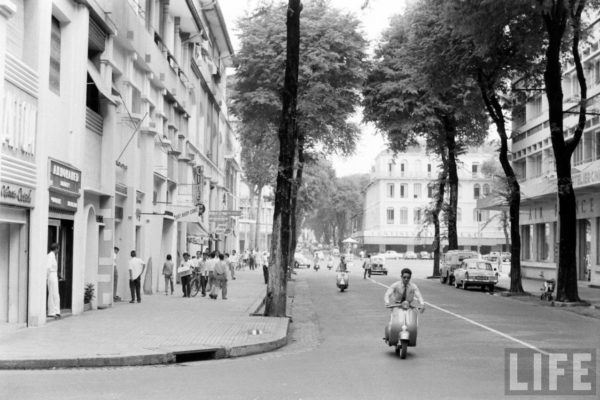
(18, 195)
(225, 213)
(64, 177)
(65, 183)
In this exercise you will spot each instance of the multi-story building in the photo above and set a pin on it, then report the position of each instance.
(114, 132)
(252, 236)
(400, 190)
(533, 161)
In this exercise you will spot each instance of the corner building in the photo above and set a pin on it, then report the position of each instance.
(114, 133)
(399, 191)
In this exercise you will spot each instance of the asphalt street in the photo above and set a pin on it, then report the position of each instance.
(336, 350)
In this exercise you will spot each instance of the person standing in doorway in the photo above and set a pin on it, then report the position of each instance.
(115, 274)
(168, 274)
(136, 269)
(185, 272)
(52, 279)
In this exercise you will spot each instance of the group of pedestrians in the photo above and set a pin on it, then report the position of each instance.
(254, 259)
(213, 270)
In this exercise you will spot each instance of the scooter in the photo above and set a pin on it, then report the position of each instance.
(329, 265)
(401, 331)
(316, 267)
(342, 280)
(548, 289)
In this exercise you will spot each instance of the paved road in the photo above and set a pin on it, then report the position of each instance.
(336, 351)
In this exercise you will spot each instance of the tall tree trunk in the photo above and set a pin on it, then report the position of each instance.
(494, 109)
(294, 212)
(506, 228)
(450, 130)
(276, 299)
(439, 203)
(258, 210)
(555, 21)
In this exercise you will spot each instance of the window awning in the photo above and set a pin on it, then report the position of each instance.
(95, 75)
(197, 229)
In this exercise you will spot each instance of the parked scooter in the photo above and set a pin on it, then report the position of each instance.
(401, 331)
(316, 267)
(329, 264)
(548, 289)
(342, 280)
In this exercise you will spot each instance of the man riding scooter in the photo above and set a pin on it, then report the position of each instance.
(401, 331)
(342, 274)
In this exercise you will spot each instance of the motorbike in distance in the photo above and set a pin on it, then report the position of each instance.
(401, 331)
(342, 279)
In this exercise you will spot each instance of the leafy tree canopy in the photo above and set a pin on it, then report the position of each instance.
(332, 71)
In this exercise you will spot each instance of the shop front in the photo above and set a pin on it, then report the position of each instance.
(65, 185)
(16, 201)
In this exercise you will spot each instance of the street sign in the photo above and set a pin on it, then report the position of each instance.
(225, 213)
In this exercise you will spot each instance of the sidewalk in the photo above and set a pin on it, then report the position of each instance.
(161, 329)
(588, 294)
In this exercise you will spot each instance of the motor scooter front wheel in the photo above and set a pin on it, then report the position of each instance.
(402, 349)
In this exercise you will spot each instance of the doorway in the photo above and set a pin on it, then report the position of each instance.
(61, 231)
(584, 237)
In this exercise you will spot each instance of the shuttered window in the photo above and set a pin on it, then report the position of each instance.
(16, 31)
(55, 56)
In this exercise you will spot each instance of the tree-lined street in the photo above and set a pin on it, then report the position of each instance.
(336, 350)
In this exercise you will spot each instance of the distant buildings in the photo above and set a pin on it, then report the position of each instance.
(400, 190)
(113, 132)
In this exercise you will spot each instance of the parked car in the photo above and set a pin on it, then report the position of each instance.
(378, 265)
(392, 255)
(301, 260)
(451, 260)
(475, 272)
(424, 255)
(335, 252)
(411, 255)
(501, 264)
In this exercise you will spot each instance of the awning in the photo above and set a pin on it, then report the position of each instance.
(196, 229)
(95, 75)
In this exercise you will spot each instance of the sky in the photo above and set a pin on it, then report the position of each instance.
(375, 19)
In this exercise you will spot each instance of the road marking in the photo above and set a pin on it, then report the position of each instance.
(497, 332)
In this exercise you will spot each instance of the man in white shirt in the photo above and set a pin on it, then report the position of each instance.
(210, 268)
(136, 269)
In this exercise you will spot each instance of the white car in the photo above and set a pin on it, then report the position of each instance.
(424, 255)
(475, 272)
(410, 255)
(392, 255)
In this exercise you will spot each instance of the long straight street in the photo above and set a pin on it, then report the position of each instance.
(336, 350)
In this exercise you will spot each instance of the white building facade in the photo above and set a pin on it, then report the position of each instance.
(114, 132)
(399, 191)
(533, 161)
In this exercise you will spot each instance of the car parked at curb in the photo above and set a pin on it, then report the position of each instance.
(410, 255)
(451, 260)
(475, 272)
(423, 255)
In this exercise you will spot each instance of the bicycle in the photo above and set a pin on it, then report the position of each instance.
(195, 284)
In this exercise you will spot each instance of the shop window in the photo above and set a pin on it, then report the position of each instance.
(526, 242)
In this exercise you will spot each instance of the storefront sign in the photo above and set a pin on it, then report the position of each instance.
(16, 195)
(586, 178)
(65, 182)
(63, 201)
(64, 177)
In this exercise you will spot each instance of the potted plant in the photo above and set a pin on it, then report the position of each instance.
(88, 295)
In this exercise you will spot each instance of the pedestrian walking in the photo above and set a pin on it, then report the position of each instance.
(367, 267)
(185, 271)
(251, 260)
(230, 260)
(220, 278)
(210, 268)
(203, 273)
(265, 266)
(136, 269)
(245, 259)
(115, 274)
(52, 281)
(168, 274)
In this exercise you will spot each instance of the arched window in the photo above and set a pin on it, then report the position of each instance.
(476, 191)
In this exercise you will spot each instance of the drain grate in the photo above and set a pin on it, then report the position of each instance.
(190, 356)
